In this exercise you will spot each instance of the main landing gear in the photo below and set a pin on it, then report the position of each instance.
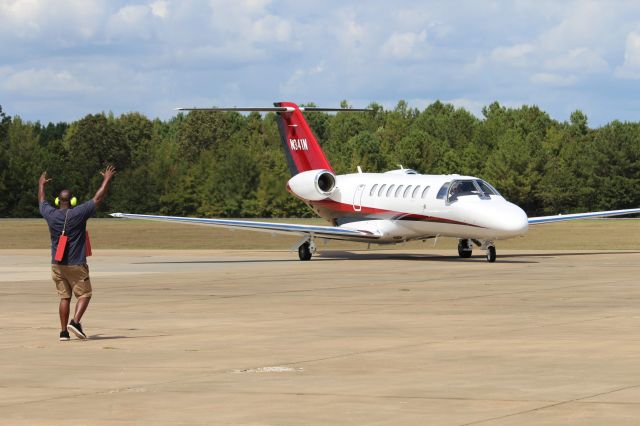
(465, 249)
(306, 249)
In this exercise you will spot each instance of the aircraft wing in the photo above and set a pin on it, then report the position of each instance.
(329, 232)
(563, 217)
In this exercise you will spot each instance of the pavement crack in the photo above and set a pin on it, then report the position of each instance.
(556, 404)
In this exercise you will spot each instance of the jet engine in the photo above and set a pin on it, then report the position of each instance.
(313, 185)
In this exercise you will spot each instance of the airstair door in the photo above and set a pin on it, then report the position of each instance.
(357, 198)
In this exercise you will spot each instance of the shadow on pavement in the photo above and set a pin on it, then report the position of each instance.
(427, 257)
(333, 255)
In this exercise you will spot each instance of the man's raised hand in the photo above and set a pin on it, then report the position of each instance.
(44, 179)
(109, 172)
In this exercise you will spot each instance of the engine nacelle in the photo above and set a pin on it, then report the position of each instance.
(313, 185)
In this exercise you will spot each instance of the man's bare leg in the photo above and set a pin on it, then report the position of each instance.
(81, 306)
(64, 312)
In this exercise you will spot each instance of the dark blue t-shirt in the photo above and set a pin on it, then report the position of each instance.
(75, 230)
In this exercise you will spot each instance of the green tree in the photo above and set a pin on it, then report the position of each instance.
(24, 166)
(207, 129)
(5, 122)
(93, 142)
(444, 122)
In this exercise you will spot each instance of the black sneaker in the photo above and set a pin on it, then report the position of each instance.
(76, 329)
(64, 336)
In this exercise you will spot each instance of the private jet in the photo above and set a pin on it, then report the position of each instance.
(382, 208)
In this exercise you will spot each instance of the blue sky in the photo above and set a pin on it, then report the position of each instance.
(63, 59)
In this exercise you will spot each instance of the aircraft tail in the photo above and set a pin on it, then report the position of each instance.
(300, 145)
(301, 148)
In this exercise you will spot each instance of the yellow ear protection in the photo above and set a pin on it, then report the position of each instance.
(73, 201)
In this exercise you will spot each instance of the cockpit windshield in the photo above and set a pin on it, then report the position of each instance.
(461, 188)
(486, 188)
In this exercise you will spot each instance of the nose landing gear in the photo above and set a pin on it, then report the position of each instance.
(465, 248)
(491, 253)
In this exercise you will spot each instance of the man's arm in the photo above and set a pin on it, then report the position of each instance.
(101, 193)
(41, 183)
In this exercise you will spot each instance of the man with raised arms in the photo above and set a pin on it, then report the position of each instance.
(69, 269)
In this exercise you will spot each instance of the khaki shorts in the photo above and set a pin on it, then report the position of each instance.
(70, 278)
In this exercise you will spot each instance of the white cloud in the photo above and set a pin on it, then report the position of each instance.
(299, 78)
(145, 54)
(631, 66)
(349, 31)
(65, 22)
(160, 9)
(230, 53)
(39, 82)
(130, 22)
(581, 59)
(248, 21)
(516, 56)
(406, 45)
(270, 27)
(550, 79)
(585, 23)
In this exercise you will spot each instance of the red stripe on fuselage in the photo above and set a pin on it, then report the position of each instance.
(338, 210)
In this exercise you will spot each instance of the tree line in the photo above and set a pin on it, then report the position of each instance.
(232, 165)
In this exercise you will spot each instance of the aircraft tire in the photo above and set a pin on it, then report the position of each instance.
(463, 250)
(304, 251)
(491, 254)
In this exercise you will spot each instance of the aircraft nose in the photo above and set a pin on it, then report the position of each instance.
(514, 223)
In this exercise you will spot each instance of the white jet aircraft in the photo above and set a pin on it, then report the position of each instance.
(383, 208)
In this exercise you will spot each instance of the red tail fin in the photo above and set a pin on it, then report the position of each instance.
(300, 145)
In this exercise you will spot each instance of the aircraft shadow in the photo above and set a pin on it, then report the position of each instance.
(594, 253)
(343, 255)
(333, 255)
(178, 262)
(348, 255)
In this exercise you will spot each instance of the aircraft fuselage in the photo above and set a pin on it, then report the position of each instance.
(402, 207)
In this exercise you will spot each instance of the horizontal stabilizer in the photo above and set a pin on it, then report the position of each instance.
(277, 109)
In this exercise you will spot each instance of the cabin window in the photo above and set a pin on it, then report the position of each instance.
(424, 193)
(390, 191)
(443, 191)
(373, 190)
(407, 191)
(415, 192)
(382, 188)
(398, 191)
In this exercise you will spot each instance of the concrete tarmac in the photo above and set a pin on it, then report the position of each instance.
(369, 337)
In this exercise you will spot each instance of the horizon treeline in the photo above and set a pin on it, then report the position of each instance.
(231, 165)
